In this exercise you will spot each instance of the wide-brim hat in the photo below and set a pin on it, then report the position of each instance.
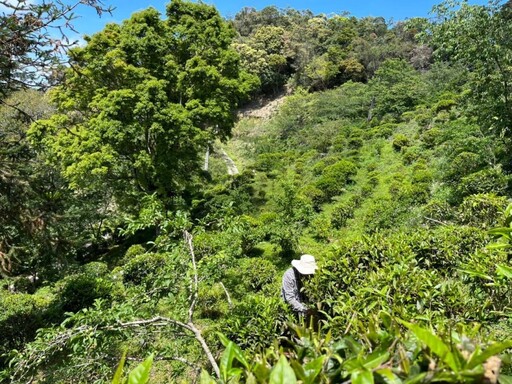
(306, 265)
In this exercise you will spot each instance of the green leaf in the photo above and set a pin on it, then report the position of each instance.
(362, 376)
(313, 368)
(140, 374)
(388, 376)
(226, 360)
(223, 339)
(416, 379)
(205, 378)
(282, 373)
(501, 231)
(505, 271)
(119, 371)
(505, 379)
(492, 350)
(251, 379)
(375, 359)
(300, 373)
(476, 274)
(238, 354)
(498, 246)
(261, 371)
(435, 344)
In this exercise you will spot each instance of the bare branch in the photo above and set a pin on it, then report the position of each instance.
(157, 321)
(194, 288)
(435, 221)
(227, 295)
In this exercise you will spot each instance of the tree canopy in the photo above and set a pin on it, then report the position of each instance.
(142, 99)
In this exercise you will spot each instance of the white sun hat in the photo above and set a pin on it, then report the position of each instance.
(306, 265)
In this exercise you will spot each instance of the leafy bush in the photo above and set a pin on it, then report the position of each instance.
(80, 290)
(132, 252)
(383, 353)
(335, 177)
(20, 317)
(256, 321)
(383, 130)
(212, 301)
(144, 269)
(400, 141)
(462, 165)
(320, 227)
(444, 105)
(314, 195)
(341, 213)
(491, 180)
(482, 210)
(412, 154)
(383, 214)
(438, 212)
(251, 275)
(432, 137)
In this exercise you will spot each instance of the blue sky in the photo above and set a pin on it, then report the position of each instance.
(389, 9)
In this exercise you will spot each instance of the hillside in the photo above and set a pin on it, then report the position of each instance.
(381, 149)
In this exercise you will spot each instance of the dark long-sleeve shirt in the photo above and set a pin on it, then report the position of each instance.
(291, 291)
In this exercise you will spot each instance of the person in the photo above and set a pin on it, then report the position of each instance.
(291, 289)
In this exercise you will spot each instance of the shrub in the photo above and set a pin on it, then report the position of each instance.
(212, 301)
(423, 119)
(251, 275)
(463, 164)
(491, 180)
(79, 291)
(412, 154)
(341, 213)
(314, 195)
(132, 252)
(256, 321)
(143, 269)
(383, 130)
(320, 227)
(21, 316)
(373, 178)
(444, 105)
(383, 214)
(482, 210)
(320, 166)
(438, 211)
(432, 137)
(400, 141)
(335, 177)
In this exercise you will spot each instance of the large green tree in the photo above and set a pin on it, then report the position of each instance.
(478, 37)
(41, 219)
(143, 99)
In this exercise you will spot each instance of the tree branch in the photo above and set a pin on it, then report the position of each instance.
(194, 288)
(227, 295)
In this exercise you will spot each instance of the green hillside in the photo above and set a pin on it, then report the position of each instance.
(154, 193)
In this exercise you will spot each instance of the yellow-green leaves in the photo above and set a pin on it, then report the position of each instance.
(282, 373)
(138, 375)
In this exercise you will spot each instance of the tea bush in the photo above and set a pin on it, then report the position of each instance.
(491, 180)
(144, 269)
(335, 177)
(21, 316)
(341, 213)
(80, 290)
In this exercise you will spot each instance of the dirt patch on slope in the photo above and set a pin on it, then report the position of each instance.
(263, 108)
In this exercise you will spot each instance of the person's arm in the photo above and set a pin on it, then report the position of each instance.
(291, 293)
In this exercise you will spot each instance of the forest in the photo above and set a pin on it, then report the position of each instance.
(157, 180)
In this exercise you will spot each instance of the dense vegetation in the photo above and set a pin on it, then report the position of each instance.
(388, 158)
